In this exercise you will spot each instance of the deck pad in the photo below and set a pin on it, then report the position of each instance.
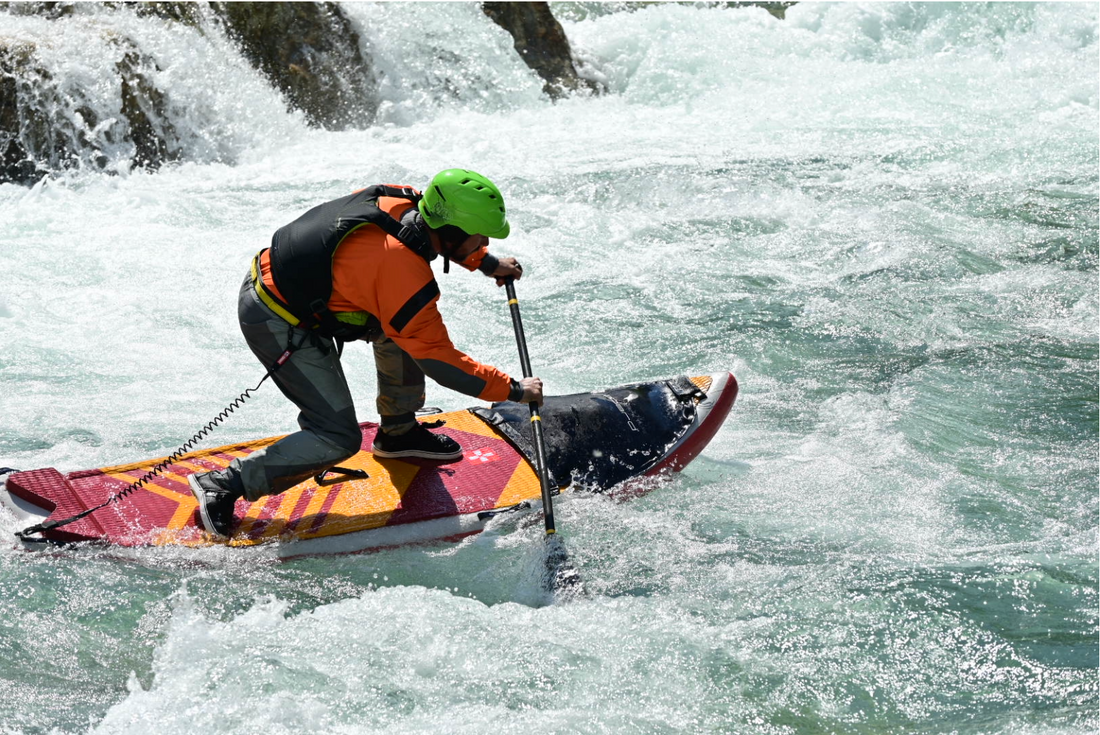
(490, 474)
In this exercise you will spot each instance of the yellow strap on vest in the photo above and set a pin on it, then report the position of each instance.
(267, 297)
(356, 318)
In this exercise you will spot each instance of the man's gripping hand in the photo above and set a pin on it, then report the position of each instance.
(532, 390)
(507, 268)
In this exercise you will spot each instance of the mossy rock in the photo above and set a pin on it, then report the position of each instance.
(145, 108)
(187, 13)
(51, 10)
(310, 53)
(779, 9)
(44, 128)
(16, 165)
(541, 42)
(41, 129)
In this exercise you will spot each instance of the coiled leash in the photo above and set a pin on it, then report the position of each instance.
(291, 348)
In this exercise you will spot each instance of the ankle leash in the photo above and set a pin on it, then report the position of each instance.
(26, 534)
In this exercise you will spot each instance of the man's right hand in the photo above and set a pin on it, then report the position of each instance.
(532, 390)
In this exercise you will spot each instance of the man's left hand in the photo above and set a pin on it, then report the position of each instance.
(507, 268)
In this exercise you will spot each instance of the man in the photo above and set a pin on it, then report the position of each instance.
(357, 268)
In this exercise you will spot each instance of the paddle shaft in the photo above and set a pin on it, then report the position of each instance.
(536, 419)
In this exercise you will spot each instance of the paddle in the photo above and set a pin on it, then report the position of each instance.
(560, 575)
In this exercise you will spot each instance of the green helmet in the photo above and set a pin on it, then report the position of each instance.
(466, 200)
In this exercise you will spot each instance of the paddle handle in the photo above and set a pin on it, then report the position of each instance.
(536, 420)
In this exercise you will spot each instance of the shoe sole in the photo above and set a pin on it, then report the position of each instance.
(415, 453)
(200, 497)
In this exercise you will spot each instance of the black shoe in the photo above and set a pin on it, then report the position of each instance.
(216, 502)
(416, 442)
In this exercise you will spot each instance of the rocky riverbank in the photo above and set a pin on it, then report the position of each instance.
(311, 53)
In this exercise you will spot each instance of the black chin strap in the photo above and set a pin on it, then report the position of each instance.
(447, 253)
(447, 250)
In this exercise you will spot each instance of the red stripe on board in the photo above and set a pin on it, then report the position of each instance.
(325, 508)
(300, 508)
(465, 486)
(263, 520)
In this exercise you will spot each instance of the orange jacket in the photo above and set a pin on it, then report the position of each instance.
(374, 272)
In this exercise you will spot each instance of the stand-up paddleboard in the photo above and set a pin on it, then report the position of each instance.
(599, 441)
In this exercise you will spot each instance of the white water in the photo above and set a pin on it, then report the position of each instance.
(881, 218)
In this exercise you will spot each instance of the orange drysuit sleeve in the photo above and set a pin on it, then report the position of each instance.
(398, 287)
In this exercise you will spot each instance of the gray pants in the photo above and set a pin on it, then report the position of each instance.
(313, 379)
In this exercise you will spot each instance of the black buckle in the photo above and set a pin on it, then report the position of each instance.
(322, 478)
(488, 514)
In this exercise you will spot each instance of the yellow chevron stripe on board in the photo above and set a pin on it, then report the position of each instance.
(208, 455)
(522, 485)
(364, 504)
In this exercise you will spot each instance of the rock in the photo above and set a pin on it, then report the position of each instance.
(45, 129)
(541, 43)
(36, 133)
(778, 9)
(144, 106)
(310, 53)
(16, 164)
(51, 10)
(187, 13)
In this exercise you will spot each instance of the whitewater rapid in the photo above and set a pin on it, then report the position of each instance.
(881, 217)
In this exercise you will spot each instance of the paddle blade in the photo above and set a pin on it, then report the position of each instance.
(561, 579)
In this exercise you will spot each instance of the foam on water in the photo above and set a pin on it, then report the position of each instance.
(882, 218)
(215, 105)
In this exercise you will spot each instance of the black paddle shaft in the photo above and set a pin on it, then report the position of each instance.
(536, 419)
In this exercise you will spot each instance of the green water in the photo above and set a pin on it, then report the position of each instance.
(883, 219)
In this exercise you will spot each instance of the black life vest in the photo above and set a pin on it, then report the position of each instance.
(302, 253)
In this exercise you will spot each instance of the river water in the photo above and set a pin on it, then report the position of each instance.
(882, 218)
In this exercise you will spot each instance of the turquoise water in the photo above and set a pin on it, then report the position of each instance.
(883, 219)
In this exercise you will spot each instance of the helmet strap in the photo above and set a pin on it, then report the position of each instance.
(447, 250)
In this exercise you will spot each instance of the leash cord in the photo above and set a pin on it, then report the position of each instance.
(159, 467)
